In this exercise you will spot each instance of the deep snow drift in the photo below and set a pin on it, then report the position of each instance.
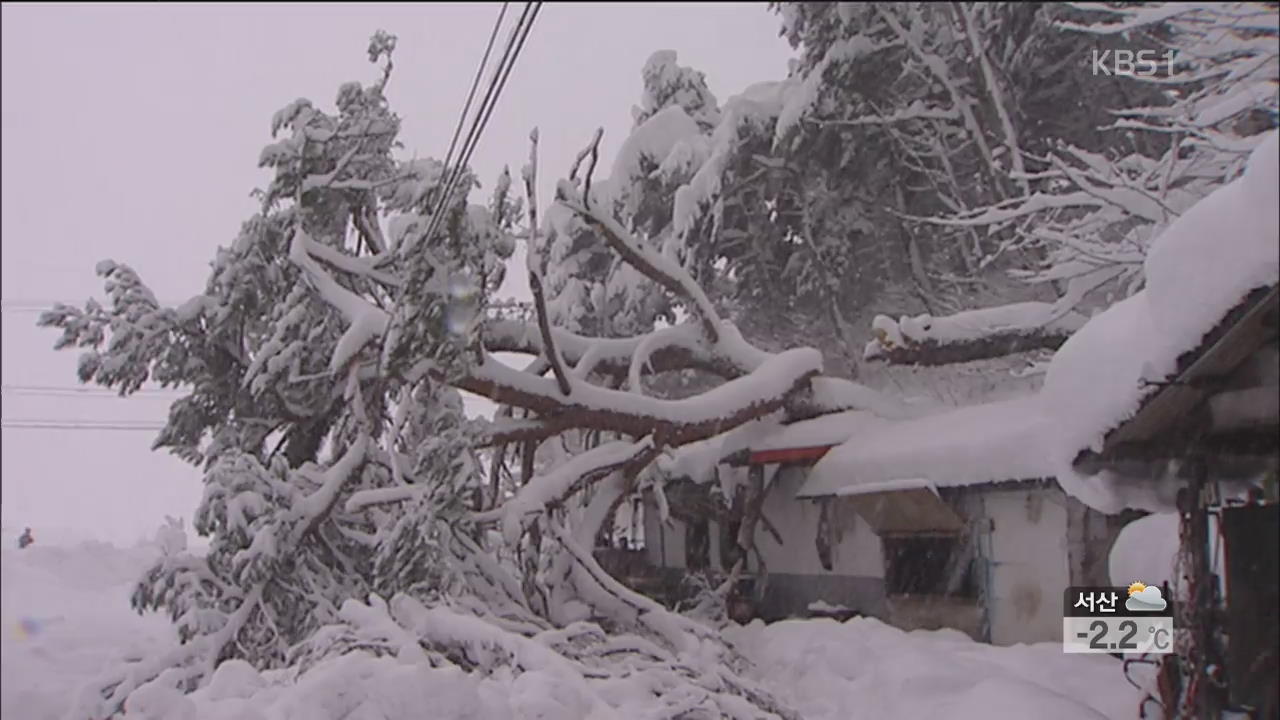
(66, 618)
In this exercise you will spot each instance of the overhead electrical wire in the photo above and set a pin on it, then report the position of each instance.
(515, 43)
(32, 424)
(83, 391)
(475, 83)
(45, 305)
(450, 177)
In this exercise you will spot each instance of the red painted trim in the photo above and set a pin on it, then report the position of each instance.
(788, 455)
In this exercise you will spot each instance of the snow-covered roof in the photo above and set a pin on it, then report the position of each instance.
(1201, 267)
(993, 442)
(826, 430)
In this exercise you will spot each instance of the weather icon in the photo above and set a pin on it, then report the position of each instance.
(1144, 598)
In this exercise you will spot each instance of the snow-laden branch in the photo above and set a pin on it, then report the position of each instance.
(367, 321)
(917, 110)
(1131, 18)
(552, 487)
(347, 263)
(996, 94)
(534, 260)
(362, 499)
(1013, 209)
(657, 267)
(671, 348)
(938, 67)
(648, 345)
(106, 696)
(972, 334)
(741, 399)
(316, 505)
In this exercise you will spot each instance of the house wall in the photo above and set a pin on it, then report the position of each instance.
(1026, 548)
(663, 542)
(796, 576)
(1024, 539)
(1091, 536)
(855, 548)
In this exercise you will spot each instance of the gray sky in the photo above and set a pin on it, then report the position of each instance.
(132, 133)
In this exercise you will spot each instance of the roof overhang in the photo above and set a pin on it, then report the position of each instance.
(902, 507)
(789, 455)
(1193, 415)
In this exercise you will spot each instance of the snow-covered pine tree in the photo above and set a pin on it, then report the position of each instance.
(346, 501)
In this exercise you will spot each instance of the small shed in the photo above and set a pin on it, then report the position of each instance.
(950, 519)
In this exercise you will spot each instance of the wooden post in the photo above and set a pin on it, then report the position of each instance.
(747, 531)
(1204, 703)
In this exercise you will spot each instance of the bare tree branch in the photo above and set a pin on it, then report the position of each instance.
(535, 262)
(653, 265)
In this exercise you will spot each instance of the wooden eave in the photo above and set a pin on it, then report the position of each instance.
(1174, 422)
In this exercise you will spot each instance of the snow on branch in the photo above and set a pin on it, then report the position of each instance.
(362, 499)
(552, 487)
(367, 321)
(972, 334)
(1131, 18)
(107, 696)
(657, 267)
(1015, 208)
(762, 391)
(917, 110)
(535, 261)
(350, 264)
(314, 506)
(671, 348)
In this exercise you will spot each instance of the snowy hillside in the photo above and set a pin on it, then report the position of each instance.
(67, 618)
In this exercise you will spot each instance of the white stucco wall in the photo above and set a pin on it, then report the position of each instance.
(1027, 549)
(1030, 568)
(857, 551)
(663, 541)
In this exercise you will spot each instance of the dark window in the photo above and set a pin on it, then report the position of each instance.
(824, 539)
(697, 545)
(729, 550)
(928, 565)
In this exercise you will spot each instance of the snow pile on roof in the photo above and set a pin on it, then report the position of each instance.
(993, 442)
(864, 669)
(821, 431)
(1197, 270)
(698, 460)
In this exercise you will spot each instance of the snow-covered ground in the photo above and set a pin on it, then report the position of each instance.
(66, 618)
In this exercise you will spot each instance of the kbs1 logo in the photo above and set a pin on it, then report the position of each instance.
(1142, 63)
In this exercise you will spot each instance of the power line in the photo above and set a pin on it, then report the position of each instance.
(452, 172)
(39, 306)
(26, 308)
(30, 424)
(466, 108)
(41, 390)
(496, 83)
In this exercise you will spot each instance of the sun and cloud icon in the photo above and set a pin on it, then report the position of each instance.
(1144, 598)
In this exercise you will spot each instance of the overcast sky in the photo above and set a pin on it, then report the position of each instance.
(132, 133)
